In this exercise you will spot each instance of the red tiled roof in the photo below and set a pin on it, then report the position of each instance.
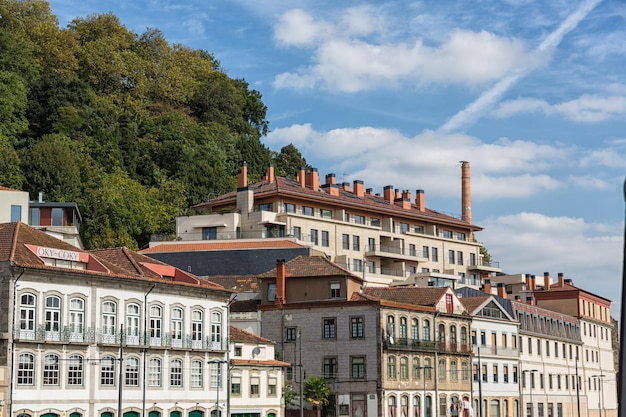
(237, 334)
(311, 266)
(472, 303)
(421, 296)
(2, 188)
(288, 187)
(237, 283)
(222, 245)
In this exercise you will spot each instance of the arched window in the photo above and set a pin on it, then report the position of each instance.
(107, 371)
(465, 371)
(75, 370)
(391, 328)
(177, 327)
(403, 329)
(53, 317)
(196, 374)
(51, 369)
(216, 327)
(453, 370)
(453, 334)
(428, 406)
(428, 375)
(109, 315)
(391, 406)
(417, 406)
(196, 329)
(132, 372)
(404, 367)
(132, 324)
(426, 325)
(415, 330)
(77, 319)
(442, 369)
(417, 371)
(176, 373)
(391, 367)
(26, 369)
(404, 406)
(156, 325)
(154, 372)
(27, 316)
(463, 335)
(442, 333)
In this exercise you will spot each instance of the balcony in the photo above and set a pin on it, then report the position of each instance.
(42, 334)
(484, 266)
(392, 252)
(404, 344)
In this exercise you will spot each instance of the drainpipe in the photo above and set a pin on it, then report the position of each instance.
(13, 341)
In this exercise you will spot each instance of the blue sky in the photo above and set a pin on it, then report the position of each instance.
(531, 93)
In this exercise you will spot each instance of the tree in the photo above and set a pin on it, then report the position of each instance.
(288, 162)
(316, 391)
(289, 395)
(10, 173)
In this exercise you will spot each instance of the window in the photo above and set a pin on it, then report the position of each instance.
(359, 219)
(307, 211)
(16, 213)
(415, 330)
(235, 386)
(26, 369)
(297, 232)
(465, 371)
(335, 289)
(177, 327)
(266, 207)
(475, 372)
(196, 374)
(463, 335)
(426, 326)
(416, 368)
(51, 369)
(216, 327)
(154, 372)
(345, 241)
(403, 329)
(391, 367)
(461, 236)
(442, 370)
(155, 325)
(442, 333)
(453, 334)
(290, 334)
(472, 259)
(425, 252)
(505, 374)
(428, 374)
(371, 266)
(483, 370)
(515, 375)
(357, 367)
(374, 221)
(34, 216)
(447, 234)
(330, 368)
(495, 373)
(271, 386)
(371, 244)
(215, 375)
(53, 314)
(451, 256)
(176, 373)
(132, 372)
(325, 238)
(289, 208)
(27, 315)
(237, 351)
(132, 323)
(330, 326)
(391, 328)
(412, 250)
(196, 328)
(57, 217)
(356, 242)
(404, 367)
(357, 265)
(356, 327)
(483, 339)
(326, 214)
(107, 371)
(435, 254)
(209, 233)
(271, 291)
(254, 386)
(459, 258)
(75, 370)
(314, 237)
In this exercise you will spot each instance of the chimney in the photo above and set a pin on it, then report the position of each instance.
(345, 186)
(569, 282)
(501, 290)
(487, 286)
(280, 282)
(41, 196)
(330, 179)
(270, 173)
(466, 194)
(369, 191)
(313, 179)
(561, 279)
(405, 199)
(533, 283)
(546, 281)
(419, 200)
(518, 298)
(242, 178)
(358, 187)
(529, 300)
(301, 178)
(397, 194)
(388, 193)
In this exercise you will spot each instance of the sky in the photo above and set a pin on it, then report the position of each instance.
(531, 93)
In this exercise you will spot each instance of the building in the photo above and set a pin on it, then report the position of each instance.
(118, 334)
(383, 238)
(13, 205)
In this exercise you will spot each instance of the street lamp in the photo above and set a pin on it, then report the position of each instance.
(530, 388)
(218, 386)
(600, 400)
(424, 396)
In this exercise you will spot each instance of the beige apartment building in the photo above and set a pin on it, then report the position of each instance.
(384, 238)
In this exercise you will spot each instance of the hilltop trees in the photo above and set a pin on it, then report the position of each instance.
(132, 128)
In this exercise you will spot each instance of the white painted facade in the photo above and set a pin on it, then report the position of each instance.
(13, 205)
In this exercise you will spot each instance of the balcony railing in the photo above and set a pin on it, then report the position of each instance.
(68, 334)
(416, 344)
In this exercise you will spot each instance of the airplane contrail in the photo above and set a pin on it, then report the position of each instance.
(488, 98)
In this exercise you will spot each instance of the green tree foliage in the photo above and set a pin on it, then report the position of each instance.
(288, 162)
(132, 128)
(316, 391)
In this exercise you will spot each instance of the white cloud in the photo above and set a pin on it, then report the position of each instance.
(612, 158)
(429, 160)
(588, 253)
(590, 182)
(346, 60)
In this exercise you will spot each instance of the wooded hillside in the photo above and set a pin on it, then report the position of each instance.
(132, 128)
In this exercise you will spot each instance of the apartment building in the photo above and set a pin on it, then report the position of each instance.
(115, 333)
(382, 237)
(13, 205)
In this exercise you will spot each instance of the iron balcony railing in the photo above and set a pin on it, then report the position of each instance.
(432, 345)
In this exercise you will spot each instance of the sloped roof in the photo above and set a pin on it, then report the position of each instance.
(237, 283)
(239, 335)
(289, 187)
(2, 188)
(220, 245)
(17, 241)
(311, 266)
(472, 303)
(419, 296)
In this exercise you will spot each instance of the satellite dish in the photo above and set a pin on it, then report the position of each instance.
(256, 351)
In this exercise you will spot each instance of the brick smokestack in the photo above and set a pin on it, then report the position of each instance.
(301, 178)
(561, 279)
(546, 281)
(331, 179)
(533, 283)
(466, 194)
(388, 194)
(358, 188)
(487, 286)
(270, 174)
(280, 282)
(420, 200)
(501, 290)
(242, 178)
